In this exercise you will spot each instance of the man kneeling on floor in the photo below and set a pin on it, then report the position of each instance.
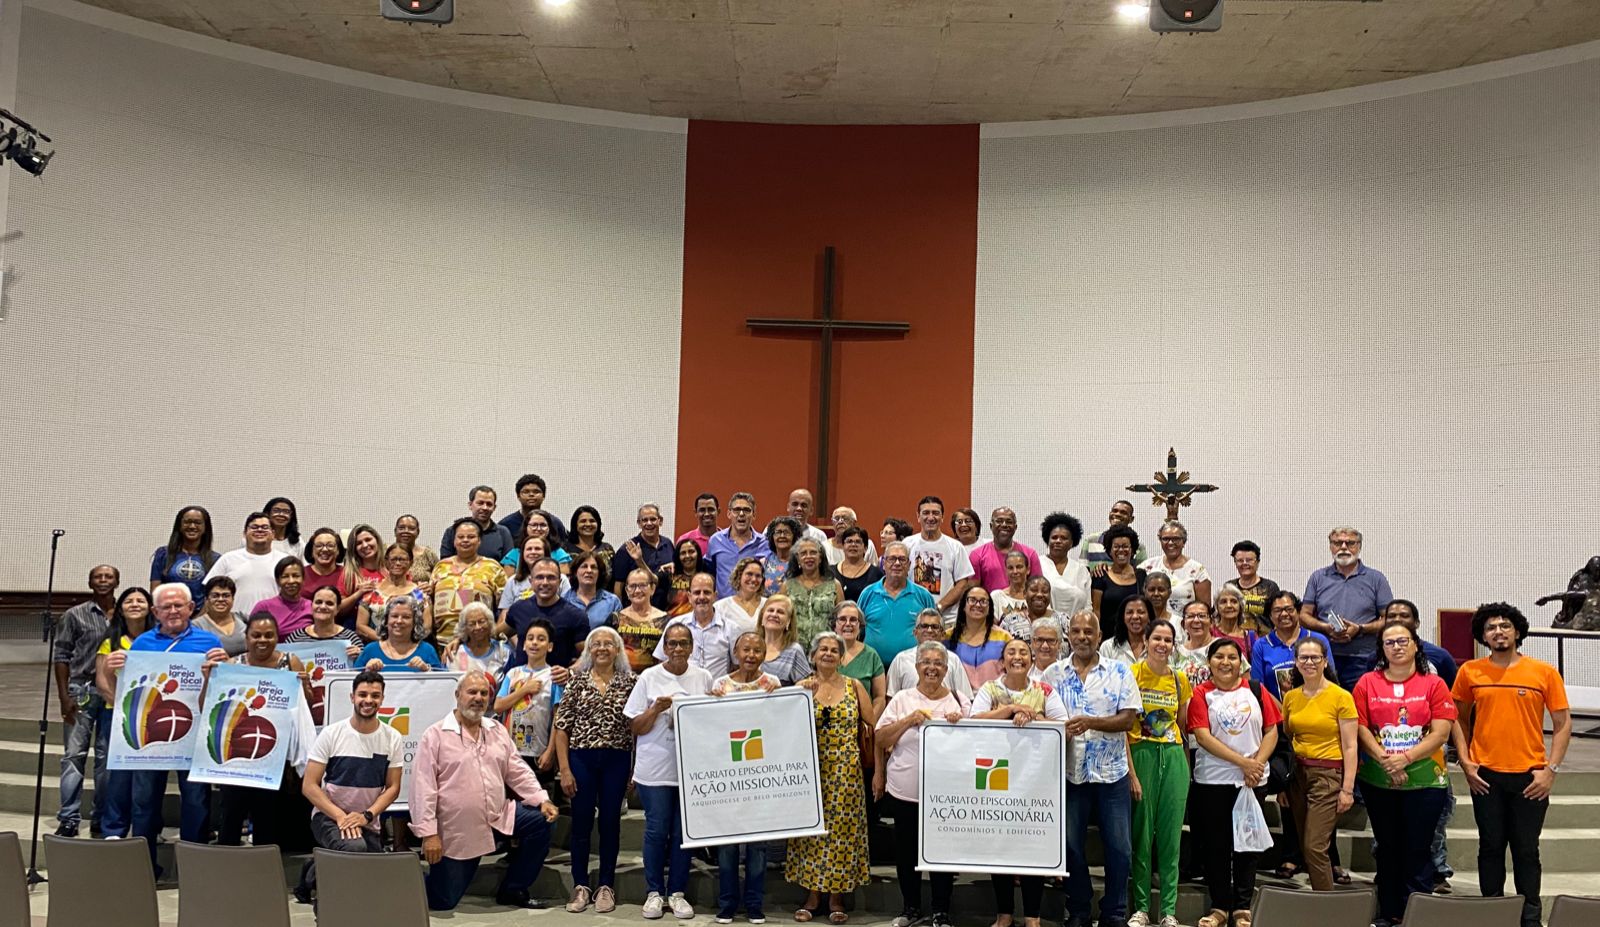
(459, 778)
(352, 775)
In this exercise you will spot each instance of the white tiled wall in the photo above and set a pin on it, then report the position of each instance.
(236, 282)
(1385, 314)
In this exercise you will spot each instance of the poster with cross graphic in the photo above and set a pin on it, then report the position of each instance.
(153, 718)
(747, 768)
(993, 798)
(249, 720)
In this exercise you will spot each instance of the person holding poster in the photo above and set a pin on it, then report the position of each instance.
(173, 634)
(464, 769)
(352, 774)
(271, 813)
(1102, 699)
(655, 765)
(595, 750)
(747, 676)
(400, 646)
(834, 862)
(129, 619)
(895, 781)
(1160, 777)
(1020, 700)
(1235, 722)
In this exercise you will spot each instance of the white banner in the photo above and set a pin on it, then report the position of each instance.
(250, 719)
(320, 658)
(993, 798)
(412, 703)
(153, 719)
(747, 768)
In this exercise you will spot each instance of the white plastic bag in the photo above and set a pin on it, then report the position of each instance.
(1250, 834)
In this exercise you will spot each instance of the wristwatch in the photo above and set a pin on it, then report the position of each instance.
(367, 813)
(1555, 769)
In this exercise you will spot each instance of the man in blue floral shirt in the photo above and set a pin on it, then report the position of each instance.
(1103, 704)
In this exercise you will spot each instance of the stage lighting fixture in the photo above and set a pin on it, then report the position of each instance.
(437, 12)
(1185, 15)
(20, 142)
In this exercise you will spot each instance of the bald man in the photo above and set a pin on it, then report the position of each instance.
(802, 505)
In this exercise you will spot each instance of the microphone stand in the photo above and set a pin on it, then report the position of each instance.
(34, 878)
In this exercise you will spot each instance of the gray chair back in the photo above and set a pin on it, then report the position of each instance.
(361, 889)
(87, 876)
(13, 881)
(1567, 911)
(237, 886)
(1286, 907)
(1440, 911)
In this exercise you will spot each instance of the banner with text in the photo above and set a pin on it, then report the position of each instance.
(412, 703)
(153, 719)
(747, 768)
(993, 798)
(250, 720)
(320, 658)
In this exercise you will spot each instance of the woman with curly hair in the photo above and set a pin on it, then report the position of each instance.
(1069, 579)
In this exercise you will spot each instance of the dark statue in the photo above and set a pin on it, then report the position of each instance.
(1580, 604)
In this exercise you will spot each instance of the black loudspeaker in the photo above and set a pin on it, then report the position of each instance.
(438, 12)
(1185, 15)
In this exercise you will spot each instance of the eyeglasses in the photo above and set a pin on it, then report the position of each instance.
(677, 643)
(1345, 542)
(1309, 658)
(896, 559)
(1398, 643)
(741, 510)
(930, 627)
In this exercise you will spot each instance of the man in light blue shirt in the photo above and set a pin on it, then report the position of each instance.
(735, 542)
(891, 605)
(1345, 601)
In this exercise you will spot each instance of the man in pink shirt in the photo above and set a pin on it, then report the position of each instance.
(706, 509)
(463, 767)
(989, 559)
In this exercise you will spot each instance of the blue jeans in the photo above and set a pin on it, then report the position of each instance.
(1112, 802)
(150, 789)
(117, 811)
(1441, 855)
(93, 724)
(448, 879)
(602, 777)
(663, 840)
(755, 878)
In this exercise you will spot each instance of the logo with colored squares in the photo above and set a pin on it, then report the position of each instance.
(150, 717)
(234, 733)
(991, 775)
(745, 745)
(397, 718)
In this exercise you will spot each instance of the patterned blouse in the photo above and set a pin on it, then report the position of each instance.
(789, 666)
(812, 607)
(593, 719)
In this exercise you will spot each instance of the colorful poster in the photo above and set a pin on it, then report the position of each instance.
(249, 719)
(993, 798)
(747, 768)
(412, 703)
(153, 720)
(320, 658)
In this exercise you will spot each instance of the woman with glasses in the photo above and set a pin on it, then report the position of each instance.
(1405, 712)
(810, 585)
(860, 662)
(285, 526)
(856, 570)
(1320, 719)
(398, 580)
(976, 639)
(1190, 581)
(967, 527)
(835, 862)
(782, 533)
(218, 617)
(187, 555)
(1045, 646)
(640, 622)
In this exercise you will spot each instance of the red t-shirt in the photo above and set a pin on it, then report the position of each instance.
(1398, 715)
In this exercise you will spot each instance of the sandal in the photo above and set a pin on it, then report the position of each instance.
(1241, 919)
(1341, 876)
(803, 915)
(1286, 871)
(1217, 918)
(838, 916)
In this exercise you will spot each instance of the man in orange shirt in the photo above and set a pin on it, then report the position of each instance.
(1501, 700)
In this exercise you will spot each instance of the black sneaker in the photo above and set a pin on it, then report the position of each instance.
(910, 917)
(67, 830)
(518, 900)
(302, 894)
(1441, 885)
(941, 919)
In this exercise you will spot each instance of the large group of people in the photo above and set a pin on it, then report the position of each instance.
(1178, 691)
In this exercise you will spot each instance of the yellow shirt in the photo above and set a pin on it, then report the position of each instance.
(1314, 722)
(105, 645)
(1166, 701)
(455, 587)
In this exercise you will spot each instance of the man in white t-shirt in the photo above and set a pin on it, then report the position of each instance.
(903, 668)
(251, 566)
(939, 563)
(352, 774)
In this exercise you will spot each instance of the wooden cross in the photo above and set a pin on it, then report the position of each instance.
(1172, 488)
(825, 326)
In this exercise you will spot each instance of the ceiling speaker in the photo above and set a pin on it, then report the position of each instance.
(1185, 15)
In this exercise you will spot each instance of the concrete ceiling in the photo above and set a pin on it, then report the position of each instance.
(888, 61)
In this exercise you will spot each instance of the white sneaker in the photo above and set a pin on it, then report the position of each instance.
(1139, 919)
(652, 906)
(681, 908)
(1169, 921)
